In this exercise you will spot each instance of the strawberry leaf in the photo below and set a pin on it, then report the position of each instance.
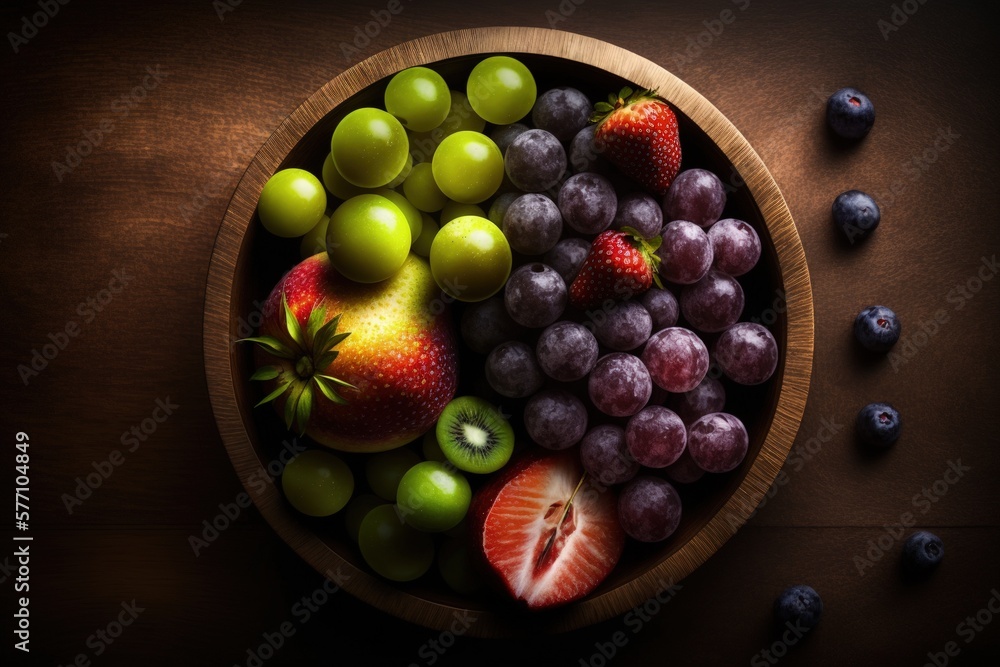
(326, 359)
(317, 316)
(327, 337)
(271, 345)
(324, 384)
(336, 381)
(282, 388)
(303, 408)
(291, 323)
(266, 373)
(292, 405)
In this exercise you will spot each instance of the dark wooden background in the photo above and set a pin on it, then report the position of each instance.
(149, 199)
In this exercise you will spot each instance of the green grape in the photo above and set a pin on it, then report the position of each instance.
(430, 448)
(336, 184)
(413, 217)
(456, 567)
(501, 90)
(393, 549)
(404, 172)
(461, 117)
(317, 483)
(433, 497)
(470, 258)
(384, 470)
(420, 188)
(454, 209)
(468, 167)
(356, 512)
(428, 230)
(368, 238)
(315, 239)
(291, 203)
(369, 147)
(418, 97)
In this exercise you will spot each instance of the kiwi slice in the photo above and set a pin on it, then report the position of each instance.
(474, 436)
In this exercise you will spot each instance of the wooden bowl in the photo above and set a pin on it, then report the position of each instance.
(247, 262)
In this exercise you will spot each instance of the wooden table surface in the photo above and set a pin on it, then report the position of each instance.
(125, 129)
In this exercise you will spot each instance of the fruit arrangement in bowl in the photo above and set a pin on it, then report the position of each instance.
(544, 338)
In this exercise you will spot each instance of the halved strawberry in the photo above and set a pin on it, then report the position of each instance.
(548, 535)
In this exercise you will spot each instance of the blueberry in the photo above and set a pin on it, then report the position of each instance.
(922, 552)
(856, 213)
(850, 113)
(877, 328)
(799, 605)
(878, 424)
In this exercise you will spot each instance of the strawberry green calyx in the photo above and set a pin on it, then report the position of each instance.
(303, 354)
(648, 248)
(625, 97)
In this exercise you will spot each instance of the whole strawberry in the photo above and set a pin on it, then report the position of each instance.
(357, 367)
(621, 264)
(637, 132)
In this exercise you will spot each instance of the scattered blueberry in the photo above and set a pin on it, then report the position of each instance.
(877, 328)
(799, 605)
(922, 552)
(878, 424)
(856, 213)
(850, 113)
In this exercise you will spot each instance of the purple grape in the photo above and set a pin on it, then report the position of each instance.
(685, 252)
(640, 212)
(684, 470)
(655, 436)
(662, 306)
(513, 371)
(567, 256)
(588, 202)
(532, 224)
(486, 324)
(649, 509)
(584, 155)
(624, 327)
(555, 419)
(714, 303)
(709, 396)
(535, 161)
(605, 456)
(561, 111)
(535, 295)
(504, 135)
(735, 246)
(696, 195)
(747, 353)
(566, 351)
(498, 209)
(718, 442)
(619, 385)
(676, 358)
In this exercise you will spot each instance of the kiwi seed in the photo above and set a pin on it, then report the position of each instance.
(474, 436)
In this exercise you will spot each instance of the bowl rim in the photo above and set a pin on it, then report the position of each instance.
(792, 269)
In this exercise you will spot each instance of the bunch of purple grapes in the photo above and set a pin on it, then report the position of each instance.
(626, 383)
